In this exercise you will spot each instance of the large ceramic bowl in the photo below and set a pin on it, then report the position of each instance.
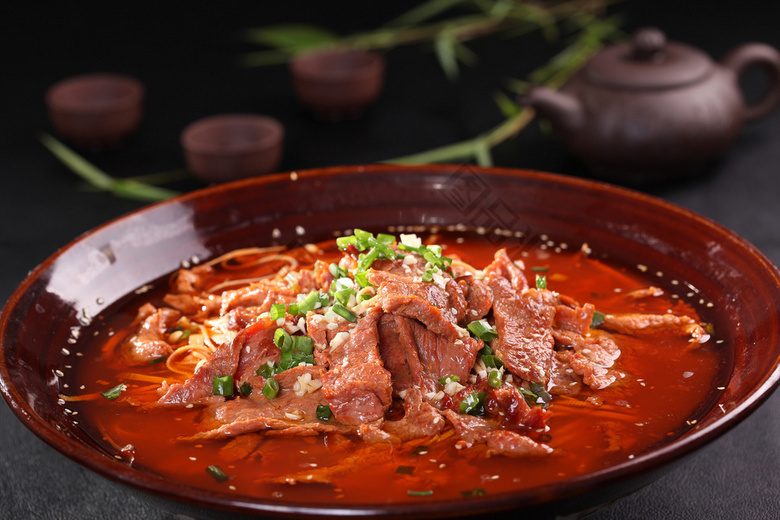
(742, 290)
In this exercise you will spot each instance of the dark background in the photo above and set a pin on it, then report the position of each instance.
(185, 54)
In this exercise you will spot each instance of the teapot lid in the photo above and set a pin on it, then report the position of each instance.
(648, 62)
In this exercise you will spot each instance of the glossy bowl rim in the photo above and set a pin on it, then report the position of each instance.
(165, 489)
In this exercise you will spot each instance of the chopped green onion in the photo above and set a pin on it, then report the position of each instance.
(337, 271)
(362, 279)
(382, 249)
(342, 295)
(271, 388)
(473, 404)
(266, 370)
(530, 397)
(541, 281)
(345, 242)
(217, 473)
(303, 344)
(223, 385)
(494, 379)
(314, 300)
(365, 260)
(384, 238)
(362, 236)
(426, 493)
(282, 339)
(541, 393)
(344, 312)
(245, 388)
(540, 269)
(277, 311)
(492, 361)
(113, 393)
(427, 276)
(598, 319)
(324, 413)
(482, 330)
(449, 379)
(293, 309)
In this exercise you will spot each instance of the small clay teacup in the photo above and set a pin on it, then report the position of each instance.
(96, 111)
(338, 83)
(226, 147)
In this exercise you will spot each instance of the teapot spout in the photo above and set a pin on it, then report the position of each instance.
(563, 110)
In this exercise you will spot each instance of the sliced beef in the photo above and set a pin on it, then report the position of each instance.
(411, 268)
(420, 419)
(634, 324)
(288, 414)
(425, 302)
(479, 298)
(563, 381)
(196, 306)
(257, 349)
(591, 357)
(570, 316)
(524, 325)
(510, 408)
(513, 444)
(148, 341)
(477, 430)
(223, 362)
(400, 358)
(322, 333)
(260, 294)
(503, 267)
(357, 386)
(191, 281)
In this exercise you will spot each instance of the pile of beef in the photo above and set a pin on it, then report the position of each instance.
(388, 376)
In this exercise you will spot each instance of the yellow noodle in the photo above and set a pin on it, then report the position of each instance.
(75, 398)
(244, 252)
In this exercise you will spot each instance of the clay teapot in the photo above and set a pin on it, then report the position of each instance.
(649, 109)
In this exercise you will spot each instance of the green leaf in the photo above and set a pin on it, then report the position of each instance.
(291, 37)
(217, 473)
(423, 12)
(127, 188)
(113, 393)
(444, 45)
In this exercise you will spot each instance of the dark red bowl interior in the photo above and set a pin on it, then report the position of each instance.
(109, 262)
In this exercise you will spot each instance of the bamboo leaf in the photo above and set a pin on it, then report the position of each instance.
(295, 37)
(508, 107)
(127, 188)
(482, 153)
(445, 53)
(424, 12)
(465, 55)
(78, 164)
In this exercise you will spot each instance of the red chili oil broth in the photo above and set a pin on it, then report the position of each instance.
(668, 386)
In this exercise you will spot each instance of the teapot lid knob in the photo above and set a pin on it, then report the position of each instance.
(648, 61)
(647, 43)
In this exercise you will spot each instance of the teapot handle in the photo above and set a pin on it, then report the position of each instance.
(757, 55)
